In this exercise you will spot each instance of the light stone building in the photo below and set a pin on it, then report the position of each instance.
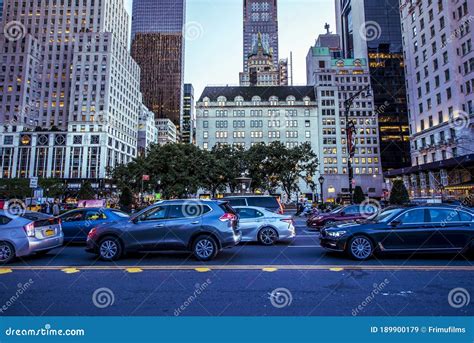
(439, 67)
(68, 77)
(336, 80)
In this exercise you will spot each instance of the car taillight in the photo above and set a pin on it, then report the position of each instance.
(227, 217)
(287, 220)
(92, 233)
(29, 229)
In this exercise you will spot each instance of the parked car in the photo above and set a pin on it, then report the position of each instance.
(260, 225)
(29, 233)
(427, 228)
(203, 227)
(76, 224)
(270, 203)
(339, 214)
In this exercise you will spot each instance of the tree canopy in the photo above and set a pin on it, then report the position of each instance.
(178, 170)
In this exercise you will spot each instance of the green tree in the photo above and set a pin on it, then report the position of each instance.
(15, 189)
(86, 192)
(292, 165)
(359, 195)
(399, 193)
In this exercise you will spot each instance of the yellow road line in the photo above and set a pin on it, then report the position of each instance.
(246, 267)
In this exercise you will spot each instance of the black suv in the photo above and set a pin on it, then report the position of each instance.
(427, 228)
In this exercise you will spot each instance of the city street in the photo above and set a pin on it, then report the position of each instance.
(299, 279)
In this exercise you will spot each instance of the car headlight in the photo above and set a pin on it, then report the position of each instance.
(336, 234)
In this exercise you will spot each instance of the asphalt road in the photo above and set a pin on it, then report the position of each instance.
(296, 279)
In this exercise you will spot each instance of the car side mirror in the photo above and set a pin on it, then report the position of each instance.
(395, 223)
(135, 220)
(343, 214)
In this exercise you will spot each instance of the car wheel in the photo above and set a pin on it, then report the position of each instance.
(268, 236)
(7, 252)
(110, 249)
(204, 248)
(360, 248)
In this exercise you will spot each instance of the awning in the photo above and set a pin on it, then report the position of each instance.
(452, 163)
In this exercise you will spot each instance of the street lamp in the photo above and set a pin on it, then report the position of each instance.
(321, 181)
(351, 133)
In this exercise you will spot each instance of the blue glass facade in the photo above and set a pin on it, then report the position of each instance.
(158, 16)
(385, 53)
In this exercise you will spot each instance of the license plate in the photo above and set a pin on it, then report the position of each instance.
(49, 233)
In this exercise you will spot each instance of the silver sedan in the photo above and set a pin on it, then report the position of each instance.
(260, 225)
(27, 233)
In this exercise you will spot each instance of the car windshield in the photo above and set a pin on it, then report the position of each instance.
(386, 215)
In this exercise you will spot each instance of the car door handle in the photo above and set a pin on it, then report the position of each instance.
(195, 223)
(159, 225)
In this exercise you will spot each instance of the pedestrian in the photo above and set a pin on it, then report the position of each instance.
(56, 208)
(48, 207)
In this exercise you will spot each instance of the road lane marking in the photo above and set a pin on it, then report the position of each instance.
(336, 269)
(269, 270)
(70, 270)
(250, 267)
(5, 270)
(202, 270)
(134, 270)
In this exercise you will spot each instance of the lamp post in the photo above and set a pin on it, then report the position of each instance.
(321, 182)
(350, 135)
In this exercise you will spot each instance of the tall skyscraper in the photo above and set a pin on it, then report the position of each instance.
(70, 97)
(438, 38)
(158, 47)
(372, 29)
(1, 9)
(260, 17)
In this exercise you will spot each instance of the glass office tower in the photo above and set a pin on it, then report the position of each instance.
(371, 28)
(158, 47)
